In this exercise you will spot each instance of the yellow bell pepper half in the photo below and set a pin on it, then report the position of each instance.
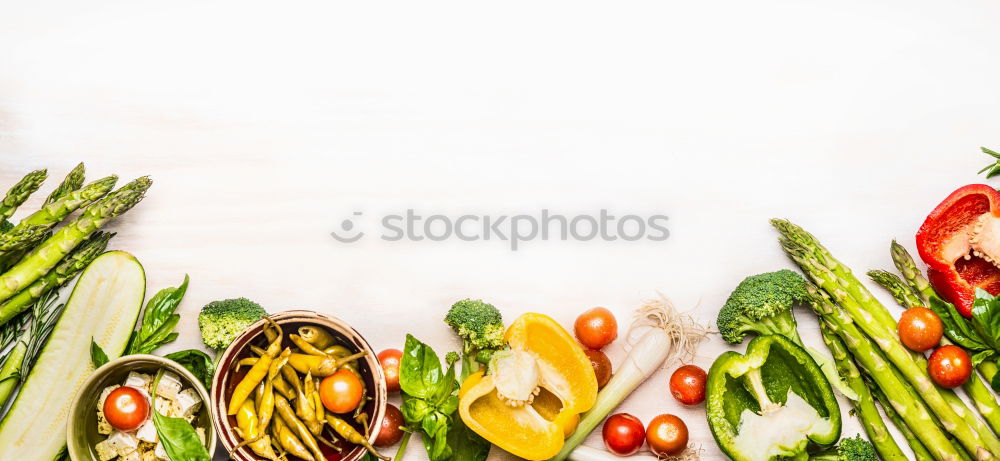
(567, 387)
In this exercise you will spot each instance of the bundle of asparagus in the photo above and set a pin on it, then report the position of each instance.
(35, 258)
(861, 333)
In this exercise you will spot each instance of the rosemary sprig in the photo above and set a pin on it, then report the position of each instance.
(992, 169)
(45, 313)
(10, 332)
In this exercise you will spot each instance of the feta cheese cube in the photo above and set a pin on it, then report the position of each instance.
(103, 426)
(164, 407)
(187, 402)
(147, 432)
(104, 451)
(201, 434)
(149, 455)
(133, 456)
(161, 453)
(122, 443)
(170, 385)
(138, 380)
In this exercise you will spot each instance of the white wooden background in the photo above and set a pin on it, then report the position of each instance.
(263, 125)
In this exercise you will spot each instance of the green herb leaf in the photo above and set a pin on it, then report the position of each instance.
(158, 321)
(178, 436)
(467, 445)
(982, 356)
(97, 355)
(419, 369)
(957, 328)
(429, 396)
(986, 317)
(198, 363)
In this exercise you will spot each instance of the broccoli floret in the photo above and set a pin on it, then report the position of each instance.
(451, 357)
(480, 326)
(763, 304)
(221, 321)
(849, 449)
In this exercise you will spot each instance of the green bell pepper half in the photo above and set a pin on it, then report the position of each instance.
(772, 365)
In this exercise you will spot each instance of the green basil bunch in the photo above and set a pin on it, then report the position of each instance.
(430, 396)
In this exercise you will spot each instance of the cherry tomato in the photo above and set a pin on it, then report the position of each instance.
(126, 408)
(687, 384)
(389, 360)
(623, 434)
(920, 329)
(390, 433)
(596, 328)
(667, 435)
(341, 391)
(602, 366)
(950, 366)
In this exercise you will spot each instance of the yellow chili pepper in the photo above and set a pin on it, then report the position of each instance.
(279, 362)
(305, 346)
(305, 411)
(298, 427)
(316, 336)
(243, 390)
(289, 442)
(282, 387)
(249, 361)
(266, 403)
(252, 434)
(352, 435)
(337, 351)
(289, 374)
(320, 366)
(256, 374)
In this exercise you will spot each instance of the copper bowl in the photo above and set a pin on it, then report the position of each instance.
(226, 379)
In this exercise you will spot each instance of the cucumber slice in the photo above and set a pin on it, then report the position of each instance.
(104, 305)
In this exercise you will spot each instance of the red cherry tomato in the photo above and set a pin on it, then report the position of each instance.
(950, 366)
(667, 435)
(920, 329)
(390, 433)
(389, 360)
(687, 384)
(602, 366)
(623, 434)
(596, 328)
(126, 408)
(341, 391)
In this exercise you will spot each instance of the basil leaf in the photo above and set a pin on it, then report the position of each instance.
(97, 355)
(437, 447)
(986, 317)
(419, 369)
(467, 445)
(415, 410)
(178, 436)
(956, 327)
(158, 321)
(197, 362)
(982, 356)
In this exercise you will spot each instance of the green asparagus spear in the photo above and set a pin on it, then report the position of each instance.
(72, 182)
(803, 249)
(910, 408)
(67, 268)
(864, 406)
(20, 192)
(38, 263)
(30, 230)
(919, 450)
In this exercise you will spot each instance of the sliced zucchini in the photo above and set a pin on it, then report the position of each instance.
(104, 305)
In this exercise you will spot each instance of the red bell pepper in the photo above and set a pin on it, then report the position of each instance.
(960, 242)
